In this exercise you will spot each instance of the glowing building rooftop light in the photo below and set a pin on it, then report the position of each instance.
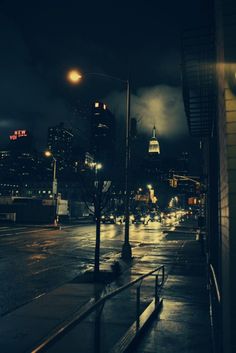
(154, 146)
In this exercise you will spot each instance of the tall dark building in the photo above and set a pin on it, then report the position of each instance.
(19, 162)
(183, 164)
(103, 134)
(21, 141)
(60, 141)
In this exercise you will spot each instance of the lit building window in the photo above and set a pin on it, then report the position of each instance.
(103, 126)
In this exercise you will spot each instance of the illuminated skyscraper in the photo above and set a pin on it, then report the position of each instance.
(152, 163)
(154, 146)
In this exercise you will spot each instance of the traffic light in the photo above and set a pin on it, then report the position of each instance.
(198, 188)
(173, 182)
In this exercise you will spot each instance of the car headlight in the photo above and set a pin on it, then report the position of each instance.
(103, 217)
(111, 217)
(156, 218)
(142, 218)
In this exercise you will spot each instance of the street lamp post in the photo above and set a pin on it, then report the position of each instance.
(97, 210)
(74, 77)
(149, 187)
(126, 249)
(54, 184)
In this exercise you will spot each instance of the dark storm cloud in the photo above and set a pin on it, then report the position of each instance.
(26, 99)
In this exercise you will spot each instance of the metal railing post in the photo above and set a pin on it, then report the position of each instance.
(138, 306)
(156, 292)
(163, 275)
(97, 329)
(98, 306)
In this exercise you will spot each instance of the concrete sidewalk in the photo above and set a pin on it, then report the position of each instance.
(184, 322)
(23, 328)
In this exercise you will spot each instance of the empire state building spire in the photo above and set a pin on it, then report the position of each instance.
(154, 132)
(154, 146)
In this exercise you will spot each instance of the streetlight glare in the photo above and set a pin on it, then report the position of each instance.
(98, 166)
(74, 76)
(48, 153)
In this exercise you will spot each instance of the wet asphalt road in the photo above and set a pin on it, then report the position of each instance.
(35, 260)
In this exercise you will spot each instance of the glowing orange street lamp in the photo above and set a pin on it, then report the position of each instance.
(74, 76)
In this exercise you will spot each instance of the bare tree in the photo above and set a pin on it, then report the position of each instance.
(97, 190)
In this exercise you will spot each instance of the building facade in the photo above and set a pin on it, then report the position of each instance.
(60, 141)
(103, 135)
(209, 90)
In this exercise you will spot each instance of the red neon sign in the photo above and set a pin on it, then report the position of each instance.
(17, 134)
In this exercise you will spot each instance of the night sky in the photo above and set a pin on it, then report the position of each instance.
(41, 40)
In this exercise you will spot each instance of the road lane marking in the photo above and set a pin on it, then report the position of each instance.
(30, 231)
(3, 229)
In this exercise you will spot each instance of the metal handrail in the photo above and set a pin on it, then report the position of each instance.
(215, 302)
(78, 318)
(216, 286)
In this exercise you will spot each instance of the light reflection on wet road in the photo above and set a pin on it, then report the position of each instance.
(34, 261)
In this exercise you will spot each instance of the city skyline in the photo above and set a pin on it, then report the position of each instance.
(82, 133)
(40, 96)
